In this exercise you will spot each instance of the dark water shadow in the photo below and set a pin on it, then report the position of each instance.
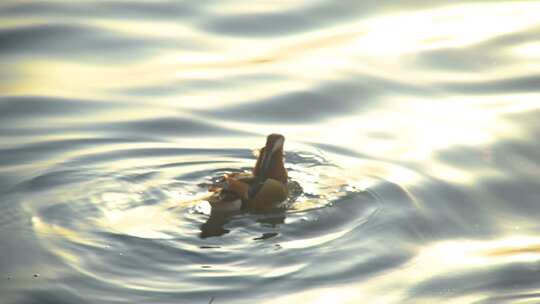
(316, 104)
(16, 108)
(51, 180)
(81, 42)
(26, 154)
(48, 296)
(522, 84)
(142, 153)
(172, 126)
(511, 278)
(287, 108)
(164, 10)
(194, 85)
(36, 110)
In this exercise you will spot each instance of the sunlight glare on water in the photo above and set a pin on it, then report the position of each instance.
(411, 147)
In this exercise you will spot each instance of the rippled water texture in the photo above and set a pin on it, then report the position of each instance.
(412, 131)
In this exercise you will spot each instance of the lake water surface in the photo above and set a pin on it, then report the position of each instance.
(413, 130)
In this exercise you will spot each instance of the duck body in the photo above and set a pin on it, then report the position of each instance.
(224, 200)
(264, 188)
(222, 205)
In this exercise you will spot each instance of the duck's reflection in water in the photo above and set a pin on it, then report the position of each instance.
(215, 225)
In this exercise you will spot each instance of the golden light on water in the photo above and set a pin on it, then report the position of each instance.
(452, 26)
(333, 52)
(465, 255)
(410, 129)
(529, 51)
(453, 258)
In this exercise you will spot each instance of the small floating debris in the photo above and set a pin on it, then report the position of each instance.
(265, 236)
(36, 275)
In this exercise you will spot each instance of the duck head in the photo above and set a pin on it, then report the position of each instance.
(272, 157)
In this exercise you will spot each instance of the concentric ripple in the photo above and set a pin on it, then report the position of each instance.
(153, 216)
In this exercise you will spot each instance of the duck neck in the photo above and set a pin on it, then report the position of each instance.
(271, 166)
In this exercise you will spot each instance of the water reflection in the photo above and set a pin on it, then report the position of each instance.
(214, 226)
(412, 130)
(217, 221)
